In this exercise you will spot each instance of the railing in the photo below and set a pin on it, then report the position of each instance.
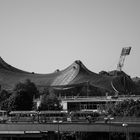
(102, 97)
(82, 97)
(126, 119)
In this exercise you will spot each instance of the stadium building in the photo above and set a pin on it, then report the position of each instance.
(76, 85)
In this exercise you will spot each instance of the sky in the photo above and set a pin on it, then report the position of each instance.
(44, 35)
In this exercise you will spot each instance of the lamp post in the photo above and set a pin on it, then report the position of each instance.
(126, 130)
(109, 119)
(58, 122)
(57, 130)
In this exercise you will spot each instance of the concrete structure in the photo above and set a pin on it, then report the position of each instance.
(74, 75)
(91, 103)
(55, 131)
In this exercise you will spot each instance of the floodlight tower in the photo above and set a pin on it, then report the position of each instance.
(124, 53)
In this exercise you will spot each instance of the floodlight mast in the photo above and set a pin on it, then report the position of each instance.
(124, 53)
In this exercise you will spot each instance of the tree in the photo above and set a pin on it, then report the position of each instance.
(127, 107)
(25, 93)
(4, 94)
(9, 104)
(26, 86)
(22, 97)
(50, 101)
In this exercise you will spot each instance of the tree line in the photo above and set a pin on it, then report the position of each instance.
(23, 95)
(125, 108)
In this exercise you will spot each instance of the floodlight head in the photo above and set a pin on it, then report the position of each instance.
(125, 51)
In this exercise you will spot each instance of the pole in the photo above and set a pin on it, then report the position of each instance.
(110, 119)
(87, 88)
(127, 133)
(109, 129)
(58, 130)
(126, 130)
